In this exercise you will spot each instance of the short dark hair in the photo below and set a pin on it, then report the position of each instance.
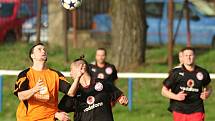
(32, 49)
(188, 48)
(103, 50)
(81, 58)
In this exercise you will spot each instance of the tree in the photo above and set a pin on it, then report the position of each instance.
(170, 33)
(128, 33)
(56, 31)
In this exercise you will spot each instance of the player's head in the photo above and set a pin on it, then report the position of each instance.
(38, 52)
(180, 57)
(101, 55)
(76, 64)
(188, 56)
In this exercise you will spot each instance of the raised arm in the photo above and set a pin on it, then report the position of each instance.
(74, 87)
(25, 95)
(76, 75)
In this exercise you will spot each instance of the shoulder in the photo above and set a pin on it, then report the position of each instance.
(57, 72)
(91, 65)
(23, 73)
(198, 68)
(178, 66)
(110, 65)
(176, 70)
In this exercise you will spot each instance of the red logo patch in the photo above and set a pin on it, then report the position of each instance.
(90, 100)
(190, 83)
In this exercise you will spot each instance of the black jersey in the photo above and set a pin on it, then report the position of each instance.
(92, 103)
(108, 72)
(192, 83)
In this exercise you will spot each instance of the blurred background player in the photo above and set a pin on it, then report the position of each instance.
(92, 101)
(180, 59)
(37, 89)
(102, 69)
(187, 87)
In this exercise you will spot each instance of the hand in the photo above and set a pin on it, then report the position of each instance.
(180, 96)
(123, 100)
(205, 94)
(38, 86)
(80, 70)
(62, 116)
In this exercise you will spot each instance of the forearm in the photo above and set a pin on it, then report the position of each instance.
(167, 93)
(209, 88)
(73, 89)
(62, 116)
(25, 95)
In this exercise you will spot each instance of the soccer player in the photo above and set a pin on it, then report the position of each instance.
(92, 101)
(187, 87)
(102, 69)
(180, 58)
(37, 89)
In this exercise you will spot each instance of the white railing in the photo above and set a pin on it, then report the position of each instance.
(129, 76)
(120, 75)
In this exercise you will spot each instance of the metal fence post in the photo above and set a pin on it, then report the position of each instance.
(1, 91)
(130, 93)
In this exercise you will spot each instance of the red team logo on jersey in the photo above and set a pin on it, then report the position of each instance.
(98, 86)
(90, 100)
(190, 83)
(109, 70)
(199, 76)
(101, 76)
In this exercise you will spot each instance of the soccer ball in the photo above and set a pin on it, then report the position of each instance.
(71, 4)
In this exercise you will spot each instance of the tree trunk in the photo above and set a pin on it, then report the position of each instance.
(56, 23)
(170, 34)
(128, 33)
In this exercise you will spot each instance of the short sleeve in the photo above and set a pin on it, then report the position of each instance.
(113, 91)
(114, 75)
(22, 83)
(67, 104)
(207, 79)
(64, 85)
(170, 80)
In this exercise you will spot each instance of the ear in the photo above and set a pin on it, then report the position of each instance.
(32, 56)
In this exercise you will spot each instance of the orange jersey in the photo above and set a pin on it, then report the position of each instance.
(43, 104)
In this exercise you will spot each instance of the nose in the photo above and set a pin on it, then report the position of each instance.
(43, 50)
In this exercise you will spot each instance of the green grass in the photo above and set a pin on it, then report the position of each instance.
(148, 104)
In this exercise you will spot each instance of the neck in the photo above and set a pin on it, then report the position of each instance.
(38, 65)
(190, 67)
(101, 65)
(85, 80)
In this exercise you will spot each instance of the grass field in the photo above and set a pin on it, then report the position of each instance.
(148, 104)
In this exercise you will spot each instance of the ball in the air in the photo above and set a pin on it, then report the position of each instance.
(71, 4)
